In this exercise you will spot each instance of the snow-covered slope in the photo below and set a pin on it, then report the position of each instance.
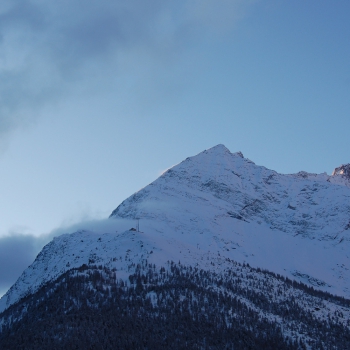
(222, 185)
(212, 208)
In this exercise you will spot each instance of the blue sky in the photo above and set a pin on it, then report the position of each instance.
(97, 99)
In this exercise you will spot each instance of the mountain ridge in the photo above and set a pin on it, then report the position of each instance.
(211, 207)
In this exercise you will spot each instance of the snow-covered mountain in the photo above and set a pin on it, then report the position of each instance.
(211, 209)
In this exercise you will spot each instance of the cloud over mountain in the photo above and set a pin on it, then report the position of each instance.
(49, 50)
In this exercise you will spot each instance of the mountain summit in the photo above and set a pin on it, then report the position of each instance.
(208, 210)
(226, 184)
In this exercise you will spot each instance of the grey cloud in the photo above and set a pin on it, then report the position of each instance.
(47, 48)
(23, 14)
(17, 252)
(75, 31)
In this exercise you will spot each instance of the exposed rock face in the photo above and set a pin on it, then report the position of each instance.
(343, 170)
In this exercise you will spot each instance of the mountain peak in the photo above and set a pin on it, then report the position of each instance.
(222, 149)
(219, 148)
(343, 170)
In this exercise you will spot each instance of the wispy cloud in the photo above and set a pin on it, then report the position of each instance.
(51, 49)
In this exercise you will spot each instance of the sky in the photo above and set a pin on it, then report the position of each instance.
(97, 99)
